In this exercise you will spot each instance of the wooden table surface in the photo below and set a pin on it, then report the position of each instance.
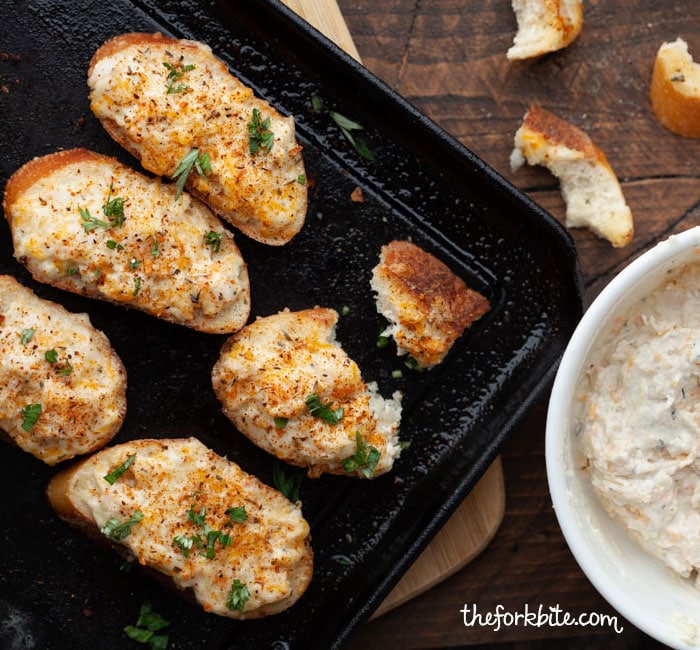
(447, 57)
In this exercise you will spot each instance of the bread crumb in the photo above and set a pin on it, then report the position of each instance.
(357, 196)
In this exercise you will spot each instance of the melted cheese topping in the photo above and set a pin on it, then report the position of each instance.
(260, 194)
(639, 420)
(167, 478)
(158, 261)
(81, 409)
(268, 370)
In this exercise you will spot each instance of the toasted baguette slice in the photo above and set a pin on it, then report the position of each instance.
(429, 307)
(161, 98)
(589, 186)
(62, 386)
(174, 260)
(182, 490)
(545, 26)
(265, 376)
(675, 89)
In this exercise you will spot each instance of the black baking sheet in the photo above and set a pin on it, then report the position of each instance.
(58, 590)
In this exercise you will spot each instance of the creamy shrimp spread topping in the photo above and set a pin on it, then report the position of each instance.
(639, 420)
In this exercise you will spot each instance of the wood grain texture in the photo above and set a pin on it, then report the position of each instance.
(447, 57)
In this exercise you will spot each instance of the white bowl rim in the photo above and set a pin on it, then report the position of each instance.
(565, 382)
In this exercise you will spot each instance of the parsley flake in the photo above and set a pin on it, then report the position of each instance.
(26, 335)
(155, 249)
(112, 245)
(200, 162)
(238, 514)
(137, 286)
(118, 471)
(323, 411)
(213, 239)
(197, 518)
(114, 208)
(280, 423)
(259, 134)
(116, 530)
(175, 73)
(364, 460)
(148, 623)
(89, 222)
(238, 596)
(347, 126)
(30, 414)
(51, 356)
(287, 480)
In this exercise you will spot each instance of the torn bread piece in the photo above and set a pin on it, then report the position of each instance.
(428, 306)
(179, 110)
(588, 183)
(675, 89)
(62, 386)
(287, 384)
(545, 26)
(218, 535)
(85, 223)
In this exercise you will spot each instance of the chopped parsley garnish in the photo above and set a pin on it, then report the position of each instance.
(364, 460)
(197, 518)
(114, 208)
(74, 270)
(412, 364)
(213, 239)
(112, 245)
(155, 249)
(148, 623)
(397, 374)
(26, 335)
(347, 126)
(259, 134)
(323, 411)
(238, 596)
(90, 222)
(118, 471)
(175, 73)
(317, 104)
(210, 537)
(238, 514)
(200, 162)
(116, 530)
(301, 179)
(52, 357)
(137, 286)
(134, 263)
(345, 310)
(280, 423)
(287, 480)
(382, 341)
(30, 414)
(404, 444)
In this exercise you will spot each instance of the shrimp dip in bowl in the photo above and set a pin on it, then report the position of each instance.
(623, 442)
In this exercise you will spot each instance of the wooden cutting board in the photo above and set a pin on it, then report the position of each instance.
(477, 519)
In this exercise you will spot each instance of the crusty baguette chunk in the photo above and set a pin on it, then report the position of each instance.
(62, 386)
(286, 384)
(588, 183)
(239, 547)
(85, 223)
(161, 98)
(545, 26)
(428, 306)
(675, 89)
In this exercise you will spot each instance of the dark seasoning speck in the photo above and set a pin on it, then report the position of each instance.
(456, 416)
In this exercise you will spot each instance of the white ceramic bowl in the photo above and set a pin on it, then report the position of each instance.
(639, 587)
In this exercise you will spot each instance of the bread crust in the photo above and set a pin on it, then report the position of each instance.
(68, 498)
(675, 89)
(589, 185)
(183, 280)
(260, 194)
(429, 305)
